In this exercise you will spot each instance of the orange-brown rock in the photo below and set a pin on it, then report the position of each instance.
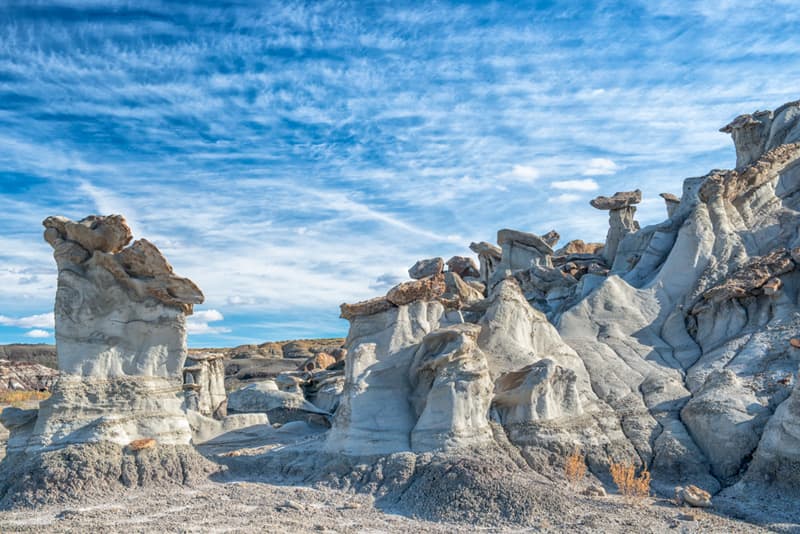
(577, 246)
(427, 289)
(140, 444)
(318, 362)
(365, 307)
(752, 276)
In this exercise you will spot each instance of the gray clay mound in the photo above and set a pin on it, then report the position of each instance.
(481, 490)
(79, 472)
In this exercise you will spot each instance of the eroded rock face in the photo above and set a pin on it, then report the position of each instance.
(109, 299)
(521, 250)
(726, 420)
(537, 392)
(776, 462)
(374, 414)
(489, 257)
(672, 202)
(204, 383)
(759, 132)
(451, 391)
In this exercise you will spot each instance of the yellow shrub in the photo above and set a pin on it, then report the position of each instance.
(19, 398)
(575, 468)
(628, 483)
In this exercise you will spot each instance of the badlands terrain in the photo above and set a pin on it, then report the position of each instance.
(511, 393)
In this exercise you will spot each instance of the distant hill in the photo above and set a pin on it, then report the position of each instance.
(40, 353)
(297, 349)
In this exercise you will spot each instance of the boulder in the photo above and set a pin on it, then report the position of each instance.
(318, 362)
(280, 406)
(551, 238)
(365, 307)
(463, 266)
(426, 289)
(620, 200)
(577, 246)
(426, 268)
(693, 496)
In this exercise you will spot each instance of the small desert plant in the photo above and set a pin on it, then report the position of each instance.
(575, 467)
(19, 398)
(628, 483)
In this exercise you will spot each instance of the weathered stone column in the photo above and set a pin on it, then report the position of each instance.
(621, 211)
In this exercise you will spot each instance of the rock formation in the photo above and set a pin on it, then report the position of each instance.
(489, 258)
(673, 347)
(25, 376)
(204, 384)
(757, 133)
(121, 343)
(621, 210)
(426, 268)
(672, 202)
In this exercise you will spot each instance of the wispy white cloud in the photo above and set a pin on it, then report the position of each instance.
(565, 198)
(525, 173)
(38, 334)
(197, 323)
(600, 167)
(42, 320)
(587, 184)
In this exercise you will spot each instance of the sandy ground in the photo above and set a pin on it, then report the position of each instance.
(260, 507)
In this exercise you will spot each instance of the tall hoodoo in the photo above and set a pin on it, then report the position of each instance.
(621, 210)
(120, 319)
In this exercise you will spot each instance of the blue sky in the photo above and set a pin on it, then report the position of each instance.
(291, 156)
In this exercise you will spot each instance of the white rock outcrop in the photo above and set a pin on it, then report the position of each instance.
(121, 344)
(121, 339)
(204, 383)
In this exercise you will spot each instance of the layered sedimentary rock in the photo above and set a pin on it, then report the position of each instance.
(204, 383)
(121, 342)
(25, 376)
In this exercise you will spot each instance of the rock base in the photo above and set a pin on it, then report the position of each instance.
(78, 472)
